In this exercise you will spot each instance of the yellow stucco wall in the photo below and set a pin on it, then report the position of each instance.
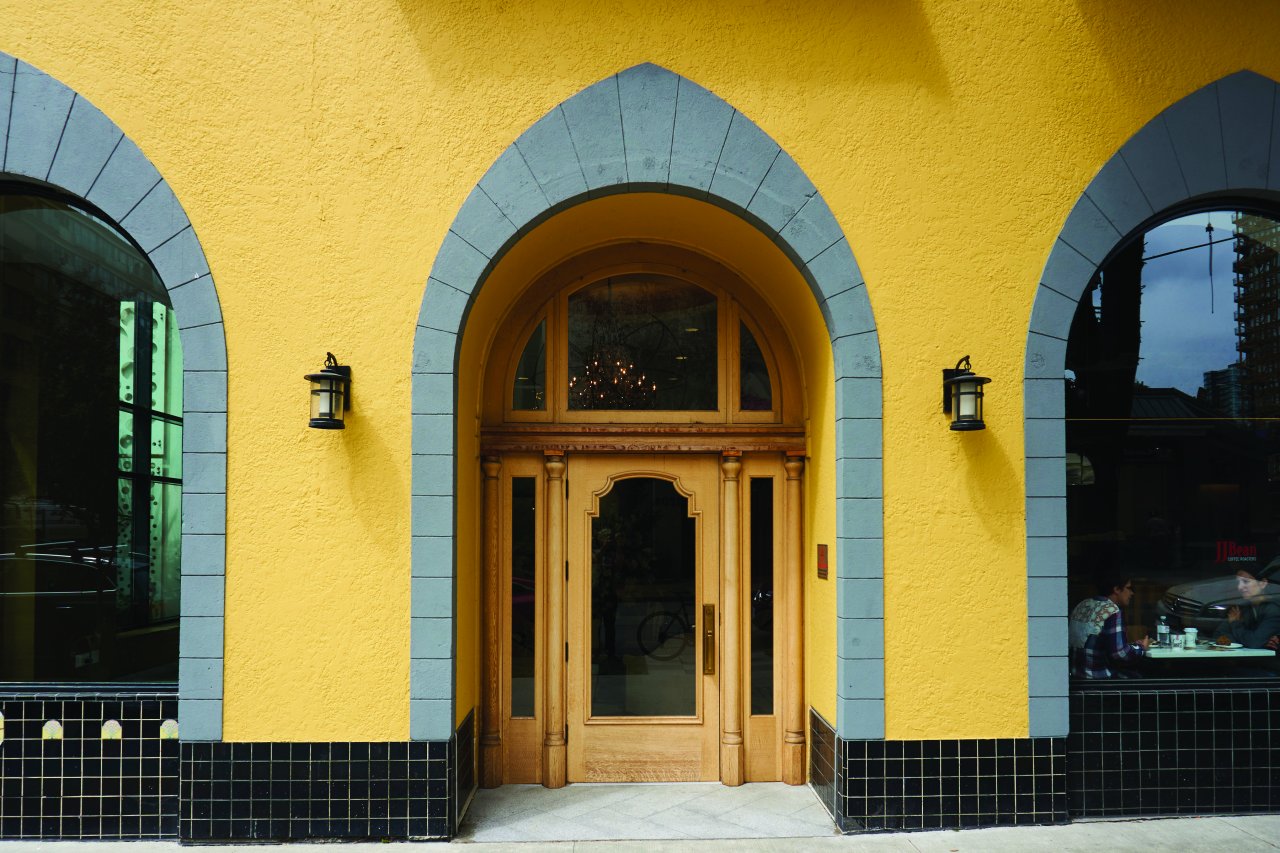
(321, 150)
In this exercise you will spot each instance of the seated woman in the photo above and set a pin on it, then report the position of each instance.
(1097, 636)
(1254, 623)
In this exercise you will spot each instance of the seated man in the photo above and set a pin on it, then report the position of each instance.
(1099, 648)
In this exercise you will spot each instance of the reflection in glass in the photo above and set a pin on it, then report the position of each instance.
(529, 390)
(761, 584)
(165, 549)
(523, 590)
(755, 391)
(643, 343)
(643, 600)
(90, 459)
(166, 362)
(1173, 426)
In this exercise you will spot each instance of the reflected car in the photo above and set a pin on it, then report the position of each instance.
(68, 605)
(1204, 603)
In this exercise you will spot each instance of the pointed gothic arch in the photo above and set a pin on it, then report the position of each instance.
(52, 135)
(647, 129)
(1215, 143)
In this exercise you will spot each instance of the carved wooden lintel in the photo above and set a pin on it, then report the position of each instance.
(556, 439)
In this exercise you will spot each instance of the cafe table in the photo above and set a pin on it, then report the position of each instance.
(1205, 650)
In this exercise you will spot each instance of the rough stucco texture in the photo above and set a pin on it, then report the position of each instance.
(321, 150)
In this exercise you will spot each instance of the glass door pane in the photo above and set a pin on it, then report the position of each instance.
(644, 574)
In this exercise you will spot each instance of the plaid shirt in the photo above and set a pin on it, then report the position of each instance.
(1106, 646)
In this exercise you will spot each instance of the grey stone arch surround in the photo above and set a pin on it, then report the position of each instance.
(646, 129)
(54, 136)
(1219, 142)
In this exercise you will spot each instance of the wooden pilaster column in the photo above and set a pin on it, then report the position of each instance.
(793, 721)
(491, 709)
(553, 743)
(731, 759)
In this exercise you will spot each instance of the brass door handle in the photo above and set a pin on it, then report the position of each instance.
(708, 639)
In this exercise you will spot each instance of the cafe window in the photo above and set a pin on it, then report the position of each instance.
(1173, 444)
(90, 450)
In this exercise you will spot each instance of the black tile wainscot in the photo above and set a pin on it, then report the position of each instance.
(1173, 748)
(319, 791)
(296, 791)
(462, 771)
(822, 761)
(950, 784)
(82, 785)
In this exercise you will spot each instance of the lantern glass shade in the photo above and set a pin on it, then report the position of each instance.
(328, 399)
(966, 401)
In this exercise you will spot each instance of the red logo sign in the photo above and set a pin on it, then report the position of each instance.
(1230, 551)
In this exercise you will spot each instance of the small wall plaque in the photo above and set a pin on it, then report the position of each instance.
(822, 562)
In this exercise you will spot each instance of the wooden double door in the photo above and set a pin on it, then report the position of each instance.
(642, 619)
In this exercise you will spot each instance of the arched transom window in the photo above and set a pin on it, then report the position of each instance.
(641, 334)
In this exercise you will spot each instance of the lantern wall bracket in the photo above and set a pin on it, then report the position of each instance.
(962, 367)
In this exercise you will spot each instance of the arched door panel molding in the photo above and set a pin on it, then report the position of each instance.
(1217, 142)
(646, 129)
(52, 135)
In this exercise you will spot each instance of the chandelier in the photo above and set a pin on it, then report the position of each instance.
(609, 378)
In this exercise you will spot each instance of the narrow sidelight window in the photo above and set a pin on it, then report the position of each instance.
(761, 586)
(523, 595)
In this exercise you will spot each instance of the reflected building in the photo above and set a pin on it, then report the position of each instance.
(1227, 391)
(1257, 315)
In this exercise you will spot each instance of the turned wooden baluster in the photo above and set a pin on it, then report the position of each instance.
(553, 744)
(491, 710)
(731, 758)
(793, 721)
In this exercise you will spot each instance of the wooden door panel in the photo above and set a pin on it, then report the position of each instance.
(639, 644)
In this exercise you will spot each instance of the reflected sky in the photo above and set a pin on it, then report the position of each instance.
(1188, 323)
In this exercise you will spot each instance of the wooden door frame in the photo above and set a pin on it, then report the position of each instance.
(552, 681)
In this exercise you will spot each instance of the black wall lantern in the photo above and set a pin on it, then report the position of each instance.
(962, 396)
(330, 394)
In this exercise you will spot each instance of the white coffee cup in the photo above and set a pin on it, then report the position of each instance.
(1175, 642)
(1190, 636)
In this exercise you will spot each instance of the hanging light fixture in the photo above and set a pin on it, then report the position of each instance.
(962, 396)
(330, 394)
(610, 379)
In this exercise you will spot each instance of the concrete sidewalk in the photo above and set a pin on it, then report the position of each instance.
(1184, 835)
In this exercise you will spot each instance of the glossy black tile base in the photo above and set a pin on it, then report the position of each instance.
(462, 771)
(1168, 750)
(82, 786)
(950, 784)
(321, 791)
(295, 791)
(822, 761)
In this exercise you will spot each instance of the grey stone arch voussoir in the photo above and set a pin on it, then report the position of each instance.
(646, 129)
(1220, 142)
(52, 135)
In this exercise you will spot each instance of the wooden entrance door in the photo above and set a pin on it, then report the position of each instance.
(643, 618)
(598, 661)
